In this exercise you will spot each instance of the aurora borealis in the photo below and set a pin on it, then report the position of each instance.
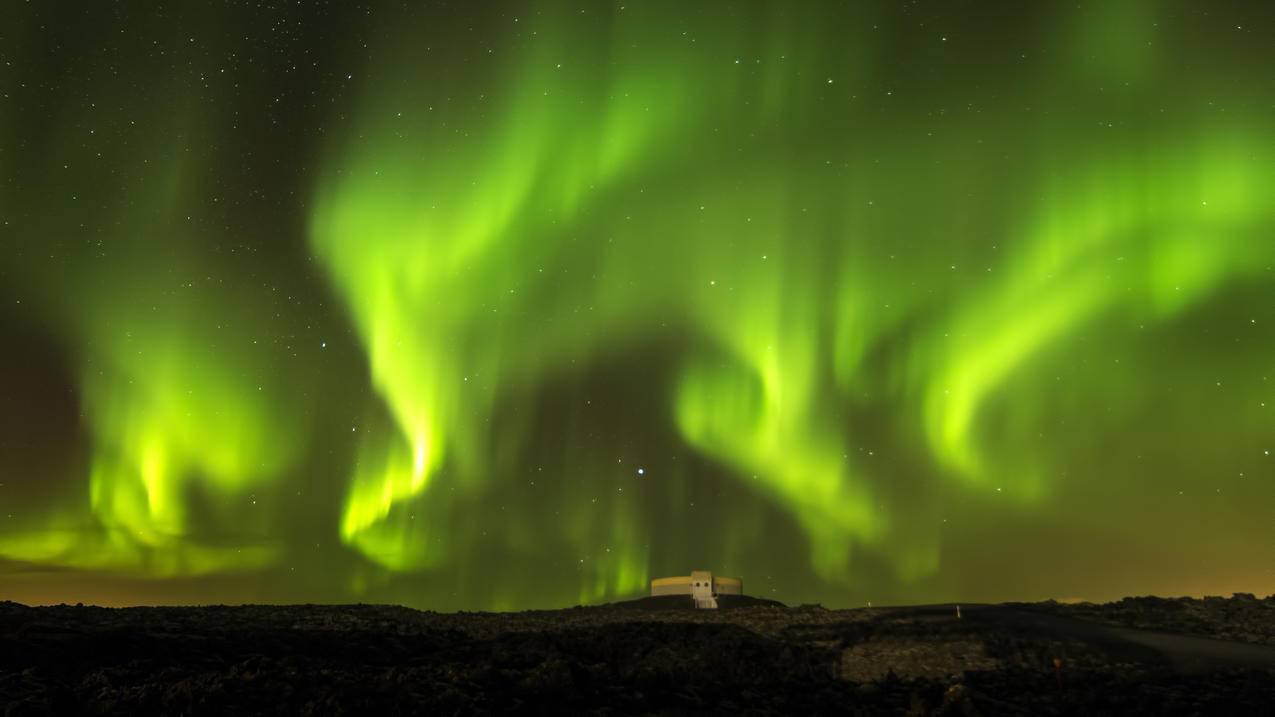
(521, 304)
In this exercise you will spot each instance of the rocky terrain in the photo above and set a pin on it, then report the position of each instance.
(1142, 655)
(1241, 617)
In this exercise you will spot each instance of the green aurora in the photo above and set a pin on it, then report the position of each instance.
(523, 304)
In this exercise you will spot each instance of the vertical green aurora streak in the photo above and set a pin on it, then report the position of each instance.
(884, 301)
(182, 409)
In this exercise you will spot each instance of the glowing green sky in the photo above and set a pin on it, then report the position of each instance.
(523, 304)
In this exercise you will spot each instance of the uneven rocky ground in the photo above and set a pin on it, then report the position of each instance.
(1241, 617)
(647, 656)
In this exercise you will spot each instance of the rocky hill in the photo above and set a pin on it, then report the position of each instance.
(640, 658)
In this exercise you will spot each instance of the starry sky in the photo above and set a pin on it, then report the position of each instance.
(512, 305)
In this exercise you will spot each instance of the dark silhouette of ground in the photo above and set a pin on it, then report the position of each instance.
(1187, 653)
(661, 603)
(645, 656)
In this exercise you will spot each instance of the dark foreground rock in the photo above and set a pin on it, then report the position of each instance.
(1242, 617)
(625, 658)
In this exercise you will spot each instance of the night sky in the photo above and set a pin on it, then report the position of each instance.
(500, 305)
